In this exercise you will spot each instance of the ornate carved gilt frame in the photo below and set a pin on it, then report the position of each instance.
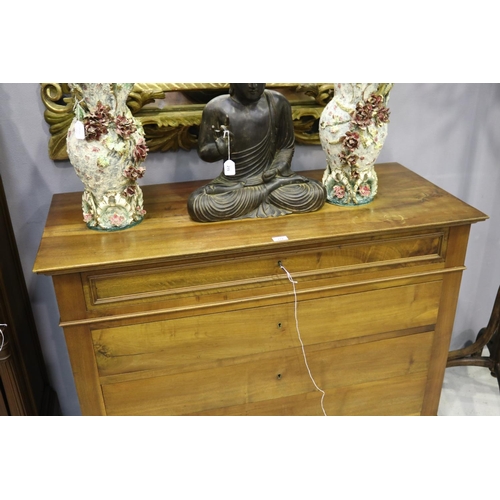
(171, 112)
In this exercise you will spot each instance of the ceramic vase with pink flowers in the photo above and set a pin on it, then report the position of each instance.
(107, 149)
(353, 128)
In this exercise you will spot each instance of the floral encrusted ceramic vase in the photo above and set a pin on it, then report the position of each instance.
(352, 130)
(106, 147)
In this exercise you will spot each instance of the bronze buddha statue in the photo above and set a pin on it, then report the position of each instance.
(253, 128)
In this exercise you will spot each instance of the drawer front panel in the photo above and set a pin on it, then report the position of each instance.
(279, 377)
(258, 274)
(389, 397)
(206, 340)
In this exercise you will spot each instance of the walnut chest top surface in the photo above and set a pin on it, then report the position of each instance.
(405, 201)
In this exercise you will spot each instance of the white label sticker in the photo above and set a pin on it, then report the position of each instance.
(79, 130)
(280, 238)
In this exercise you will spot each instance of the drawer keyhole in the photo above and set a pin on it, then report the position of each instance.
(278, 376)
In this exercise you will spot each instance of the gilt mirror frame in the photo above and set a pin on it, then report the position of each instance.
(171, 112)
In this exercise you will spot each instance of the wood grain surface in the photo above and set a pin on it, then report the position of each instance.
(174, 317)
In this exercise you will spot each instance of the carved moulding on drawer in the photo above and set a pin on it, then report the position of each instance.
(260, 275)
(171, 112)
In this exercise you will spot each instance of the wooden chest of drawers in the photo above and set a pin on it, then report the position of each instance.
(173, 317)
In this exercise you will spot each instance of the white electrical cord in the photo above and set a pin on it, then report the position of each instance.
(293, 282)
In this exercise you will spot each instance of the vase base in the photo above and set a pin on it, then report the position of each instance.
(340, 203)
(117, 228)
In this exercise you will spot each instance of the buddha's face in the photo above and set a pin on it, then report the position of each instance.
(248, 92)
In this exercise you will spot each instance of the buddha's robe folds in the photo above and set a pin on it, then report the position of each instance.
(263, 185)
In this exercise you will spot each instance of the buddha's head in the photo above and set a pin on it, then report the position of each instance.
(247, 92)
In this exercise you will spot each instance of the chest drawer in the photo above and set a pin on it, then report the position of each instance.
(222, 280)
(173, 345)
(357, 379)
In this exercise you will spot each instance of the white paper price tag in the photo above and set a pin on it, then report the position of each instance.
(229, 167)
(79, 130)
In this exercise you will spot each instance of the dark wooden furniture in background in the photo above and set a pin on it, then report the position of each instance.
(489, 337)
(24, 387)
(174, 317)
